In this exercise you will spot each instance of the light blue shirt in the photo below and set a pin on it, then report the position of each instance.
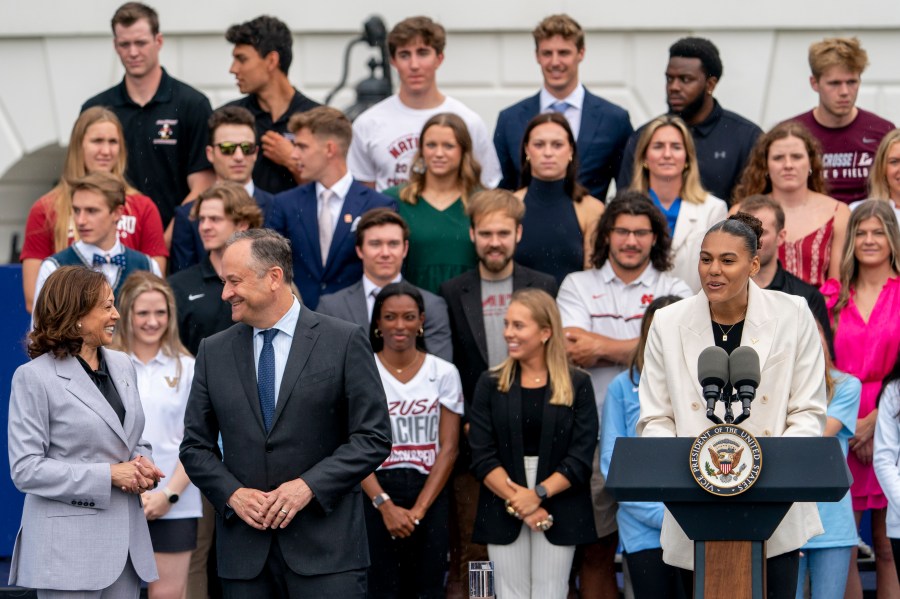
(281, 343)
(837, 518)
(640, 523)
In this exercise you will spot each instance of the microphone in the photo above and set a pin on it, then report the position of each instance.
(712, 372)
(744, 368)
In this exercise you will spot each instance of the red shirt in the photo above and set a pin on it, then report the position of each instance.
(848, 152)
(140, 228)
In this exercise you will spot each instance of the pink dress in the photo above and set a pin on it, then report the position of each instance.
(867, 350)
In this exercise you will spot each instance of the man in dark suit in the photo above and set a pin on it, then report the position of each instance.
(477, 302)
(320, 216)
(382, 240)
(299, 431)
(601, 128)
(233, 151)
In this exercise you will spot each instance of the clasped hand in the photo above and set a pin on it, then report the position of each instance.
(525, 501)
(275, 509)
(135, 476)
(399, 521)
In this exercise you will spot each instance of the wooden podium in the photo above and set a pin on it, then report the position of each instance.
(729, 533)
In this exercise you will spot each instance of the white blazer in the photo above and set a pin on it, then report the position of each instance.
(886, 459)
(694, 220)
(790, 400)
(77, 530)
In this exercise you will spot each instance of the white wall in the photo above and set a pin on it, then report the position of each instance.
(54, 54)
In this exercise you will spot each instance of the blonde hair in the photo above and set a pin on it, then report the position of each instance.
(138, 283)
(837, 52)
(849, 266)
(878, 185)
(545, 313)
(469, 173)
(74, 168)
(691, 188)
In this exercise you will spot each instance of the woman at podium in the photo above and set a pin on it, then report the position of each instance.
(732, 311)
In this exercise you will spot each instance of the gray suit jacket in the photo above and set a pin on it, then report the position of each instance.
(350, 304)
(77, 530)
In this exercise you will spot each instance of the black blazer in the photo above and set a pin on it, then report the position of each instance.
(568, 440)
(330, 427)
(463, 297)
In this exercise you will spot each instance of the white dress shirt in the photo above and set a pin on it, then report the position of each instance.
(371, 290)
(575, 100)
(340, 189)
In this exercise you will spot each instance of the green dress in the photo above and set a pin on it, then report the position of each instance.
(439, 244)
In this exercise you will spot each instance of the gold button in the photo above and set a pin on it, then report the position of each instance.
(695, 406)
(765, 399)
(767, 433)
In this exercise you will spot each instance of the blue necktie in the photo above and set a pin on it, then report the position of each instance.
(265, 378)
(118, 260)
(560, 106)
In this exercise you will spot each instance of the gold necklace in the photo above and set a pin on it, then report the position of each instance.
(394, 368)
(723, 331)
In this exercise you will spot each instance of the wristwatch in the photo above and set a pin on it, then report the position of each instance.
(541, 492)
(379, 500)
(172, 496)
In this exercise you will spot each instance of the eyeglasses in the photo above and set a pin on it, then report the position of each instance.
(230, 147)
(638, 233)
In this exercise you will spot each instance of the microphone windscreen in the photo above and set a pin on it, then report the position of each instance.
(712, 367)
(744, 367)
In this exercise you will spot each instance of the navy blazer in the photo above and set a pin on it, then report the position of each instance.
(605, 128)
(187, 247)
(567, 445)
(295, 215)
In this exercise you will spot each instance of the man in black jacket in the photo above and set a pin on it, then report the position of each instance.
(477, 302)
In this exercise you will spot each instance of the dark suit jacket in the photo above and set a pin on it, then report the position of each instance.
(463, 297)
(350, 304)
(187, 247)
(295, 215)
(605, 128)
(330, 428)
(568, 440)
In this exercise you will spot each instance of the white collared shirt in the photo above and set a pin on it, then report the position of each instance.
(598, 301)
(371, 290)
(573, 112)
(164, 395)
(281, 343)
(87, 252)
(340, 189)
(250, 187)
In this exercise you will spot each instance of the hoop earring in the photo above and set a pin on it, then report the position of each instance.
(377, 333)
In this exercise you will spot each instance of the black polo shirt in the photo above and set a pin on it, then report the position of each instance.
(787, 283)
(166, 139)
(198, 300)
(723, 141)
(270, 176)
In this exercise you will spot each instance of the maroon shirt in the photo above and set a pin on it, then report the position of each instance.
(848, 152)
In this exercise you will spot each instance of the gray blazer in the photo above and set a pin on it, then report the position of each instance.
(77, 530)
(350, 304)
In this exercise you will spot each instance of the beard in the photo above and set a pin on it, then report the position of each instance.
(494, 264)
(690, 111)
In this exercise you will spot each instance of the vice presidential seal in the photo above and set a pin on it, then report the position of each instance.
(725, 460)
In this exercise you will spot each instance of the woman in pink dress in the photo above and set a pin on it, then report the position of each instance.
(864, 305)
(786, 163)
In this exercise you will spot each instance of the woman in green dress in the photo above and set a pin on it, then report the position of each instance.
(443, 176)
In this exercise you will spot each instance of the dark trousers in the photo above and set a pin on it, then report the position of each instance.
(895, 548)
(278, 581)
(414, 566)
(651, 578)
(781, 576)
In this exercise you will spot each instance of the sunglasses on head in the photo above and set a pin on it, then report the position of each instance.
(230, 147)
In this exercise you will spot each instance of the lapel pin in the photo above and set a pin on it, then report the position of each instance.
(348, 218)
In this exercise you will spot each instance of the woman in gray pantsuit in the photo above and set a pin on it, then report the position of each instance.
(75, 449)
